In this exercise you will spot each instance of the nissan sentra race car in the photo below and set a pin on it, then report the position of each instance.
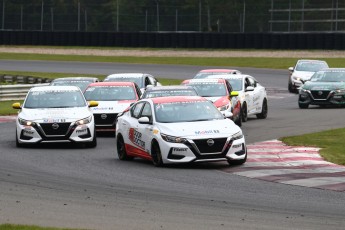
(55, 114)
(178, 129)
(113, 98)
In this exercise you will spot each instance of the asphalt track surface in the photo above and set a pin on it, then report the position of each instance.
(69, 186)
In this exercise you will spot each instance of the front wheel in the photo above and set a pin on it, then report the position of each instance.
(303, 105)
(244, 112)
(156, 155)
(18, 145)
(93, 143)
(121, 149)
(264, 110)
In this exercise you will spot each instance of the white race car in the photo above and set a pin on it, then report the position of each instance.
(55, 114)
(178, 129)
(113, 98)
(251, 94)
(302, 72)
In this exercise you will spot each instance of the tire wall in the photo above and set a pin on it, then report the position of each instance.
(285, 41)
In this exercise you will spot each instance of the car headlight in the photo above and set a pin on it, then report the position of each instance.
(296, 78)
(340, 91)
(26, 122)
(173, 139)
(237, 136)
(224, 107)
(84, 121)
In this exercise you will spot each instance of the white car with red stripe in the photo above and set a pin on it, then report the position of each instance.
(113, 98)
(251, 94)
(178, 129)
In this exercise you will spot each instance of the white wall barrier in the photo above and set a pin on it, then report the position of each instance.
(16, 92)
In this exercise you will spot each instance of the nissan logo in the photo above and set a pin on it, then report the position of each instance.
(319, 93)
(55, 126)
(104, 116)
(210, 142)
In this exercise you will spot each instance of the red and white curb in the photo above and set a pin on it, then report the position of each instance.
(303, 166)
(4, 119)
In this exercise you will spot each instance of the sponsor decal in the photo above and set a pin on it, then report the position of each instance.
(135, 138)
(81, 131)
(49, 120)
(204, 132)
(180, 149)
(28, 132)
(102, 108)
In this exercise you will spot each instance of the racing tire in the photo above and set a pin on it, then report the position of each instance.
(156, 155)
(264, 111)
(238, 162)
(121, 149)
(244, 112)
(238, 121)
(290, 87)
(303, 106)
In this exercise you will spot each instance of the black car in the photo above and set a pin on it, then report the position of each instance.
(326, 87)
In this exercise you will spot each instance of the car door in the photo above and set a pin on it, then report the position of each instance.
(256, 106)
(129, 126)
(146, 130)
(249, 94)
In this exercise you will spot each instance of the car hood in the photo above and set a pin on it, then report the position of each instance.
(304, 75)
(55, 114)
(111, 106)
(200, 129)
(323, 85)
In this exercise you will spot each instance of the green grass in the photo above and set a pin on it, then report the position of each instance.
(330, 141)
(27, 227)
(6, 107)
(258, 62)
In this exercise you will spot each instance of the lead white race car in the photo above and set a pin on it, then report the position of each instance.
(178, 129)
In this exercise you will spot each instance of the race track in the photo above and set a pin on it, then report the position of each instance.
(68, 186)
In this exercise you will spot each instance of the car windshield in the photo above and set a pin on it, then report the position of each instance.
(209, 89)
(81, 84)
(190, 111)
(326, 76)
(311, 66)
(110, 93)
(54, 99)
(168, 93)
(136, 80)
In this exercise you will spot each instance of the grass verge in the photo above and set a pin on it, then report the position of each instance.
(330, 142)
(27, 227)
(256, 62)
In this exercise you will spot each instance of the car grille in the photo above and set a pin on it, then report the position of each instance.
(52, 129)
(108, 120)
(204, 147)
(320, 94)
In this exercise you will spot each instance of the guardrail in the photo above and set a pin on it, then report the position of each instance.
(16, 92)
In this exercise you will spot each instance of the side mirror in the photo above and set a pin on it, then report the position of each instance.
(93, 103)
(234, 94)
(144, 120)
(227, 114)
(16, 105)
(290, 69)
(249, 88)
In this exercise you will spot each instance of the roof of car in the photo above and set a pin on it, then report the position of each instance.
(203, 80)
(310, 60)
(333, 69)
(216, 70)
(169, 87)
(172, 99)
(227, 76)
(124, 75)
(53, 87)
(113, 83)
